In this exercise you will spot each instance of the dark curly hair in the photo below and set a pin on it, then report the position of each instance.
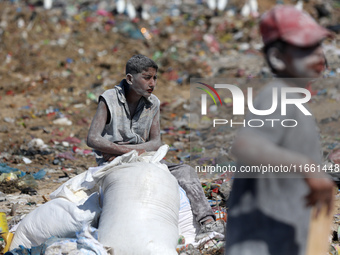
(139, 63)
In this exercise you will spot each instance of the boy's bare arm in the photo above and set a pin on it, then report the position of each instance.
(94, 138)
(251, 149)
(96, 141)
(152, 145)
(155, 138)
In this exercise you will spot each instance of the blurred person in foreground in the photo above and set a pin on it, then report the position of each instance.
(270, 215)
(127, 119)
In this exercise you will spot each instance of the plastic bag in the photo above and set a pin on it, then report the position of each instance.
(187, 225)
(58, 217)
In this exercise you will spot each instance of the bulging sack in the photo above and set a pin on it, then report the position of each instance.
(140, 210)
(58, 217)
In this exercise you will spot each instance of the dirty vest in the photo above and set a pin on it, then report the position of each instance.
(121, 126)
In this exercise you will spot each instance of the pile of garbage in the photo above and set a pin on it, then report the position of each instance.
(56, 61)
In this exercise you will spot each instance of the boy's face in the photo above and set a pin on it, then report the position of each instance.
(144, 83)
(304, 62)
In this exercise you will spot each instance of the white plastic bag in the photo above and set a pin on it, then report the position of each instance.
(140, 208)
(58, 217)
(187, 225)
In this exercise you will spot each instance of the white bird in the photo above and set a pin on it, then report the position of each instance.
(222, 4)
(211, 4)
(120, 6)
(131, 10)
(299, 5)
(245, 11)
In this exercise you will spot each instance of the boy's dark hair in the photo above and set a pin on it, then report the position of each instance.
(139, 63)
(278, 44)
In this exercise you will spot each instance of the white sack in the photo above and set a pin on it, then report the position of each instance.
(140, 208)
(58, 217)
(164, 185)
(81, 186)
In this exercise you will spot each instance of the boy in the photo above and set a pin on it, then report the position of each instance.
(271, 215)
(127, 118)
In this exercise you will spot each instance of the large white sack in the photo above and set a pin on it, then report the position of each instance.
(140, 210)
(58, 217)
(187, 225)
(78, 188)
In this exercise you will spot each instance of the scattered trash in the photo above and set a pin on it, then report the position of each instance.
(62, 121)
(4, 168)
(27, 181)
(50, 94)
(66, 155)
(335, 156)
(39, 175)
(27, 160)
(2, 196)
(37, 143)
(9, 120)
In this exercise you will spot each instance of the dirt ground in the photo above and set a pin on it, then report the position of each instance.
(53, 66)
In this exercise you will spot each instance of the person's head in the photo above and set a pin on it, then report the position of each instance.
(139, 63)
(292, 42)
(141, 75)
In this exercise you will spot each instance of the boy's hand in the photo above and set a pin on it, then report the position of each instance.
(123, 143)
(141, 151)
(321, 192)
(108, 157)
